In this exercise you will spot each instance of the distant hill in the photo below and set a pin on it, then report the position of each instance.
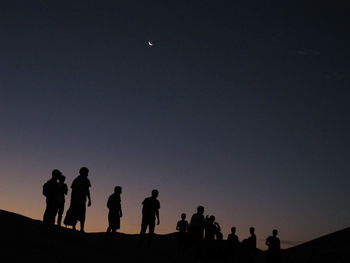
(26, 240)
(334, 247)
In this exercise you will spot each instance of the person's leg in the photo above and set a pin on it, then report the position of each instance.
(60, 213)
(110, 222)
(143, 226)
(82, 223)
(50, 212)
(151, 226)
(46, 213)
(82, 217)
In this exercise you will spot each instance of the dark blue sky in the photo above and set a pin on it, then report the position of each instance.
(243, 108)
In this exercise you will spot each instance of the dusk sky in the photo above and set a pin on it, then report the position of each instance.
(239, 106)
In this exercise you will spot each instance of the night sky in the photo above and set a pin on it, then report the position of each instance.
(240, 107)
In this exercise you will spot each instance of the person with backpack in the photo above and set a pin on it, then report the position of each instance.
(50, 190)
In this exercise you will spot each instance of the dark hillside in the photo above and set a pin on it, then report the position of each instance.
(27, 240)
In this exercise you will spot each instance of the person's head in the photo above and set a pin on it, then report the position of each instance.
(274, 232)
(84, 171)
(61, 179)
(56, 174)
(183, 216)
(118, 189)
(155, 193)
(252, 230)
(200, 210)
(233, 230)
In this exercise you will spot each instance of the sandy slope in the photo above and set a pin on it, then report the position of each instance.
(27, 240)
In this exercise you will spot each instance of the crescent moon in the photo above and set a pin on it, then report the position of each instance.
(150, 43)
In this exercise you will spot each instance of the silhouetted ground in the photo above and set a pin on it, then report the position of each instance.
(334, 248)
(26, 240)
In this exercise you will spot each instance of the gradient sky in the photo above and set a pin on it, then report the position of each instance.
(240, 107)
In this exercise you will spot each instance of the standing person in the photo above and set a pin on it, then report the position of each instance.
(197, 224)
(62, 190)
(115, 210)
(150, 212)
(50, 192)
(80, 192)
(249, 246)
(182, 227)
(274, 248)
(196, 231)
(232, 246)
(209, 236)
(210, 228)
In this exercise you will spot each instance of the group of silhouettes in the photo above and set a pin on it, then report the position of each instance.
(199, 234)
(202, 231)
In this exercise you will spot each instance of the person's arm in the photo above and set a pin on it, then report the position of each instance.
(120, 211)
(109, 203)
(157, 215)
(88, 196)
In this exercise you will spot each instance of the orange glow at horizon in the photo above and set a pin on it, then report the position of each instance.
(23, 195)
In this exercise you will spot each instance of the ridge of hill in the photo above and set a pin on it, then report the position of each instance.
(333, 247)
(26, 239)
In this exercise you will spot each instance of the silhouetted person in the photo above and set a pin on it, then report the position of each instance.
(196, 231)
(150, 212)
(210, 228)
(249, 246)
(80, 192)
(62, 190)
(218, 234)
(273, 243)
(50, 192)
(182, 228)
(233, 246)
(220, 250)
(197, 224)
(115, 210)
(209, 235)
(182, 225)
